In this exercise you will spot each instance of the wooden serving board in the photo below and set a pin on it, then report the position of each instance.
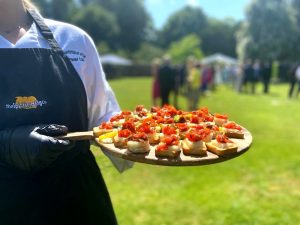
(78, 136)
(182, 160)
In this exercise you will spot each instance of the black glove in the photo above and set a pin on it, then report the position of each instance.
(31, 148)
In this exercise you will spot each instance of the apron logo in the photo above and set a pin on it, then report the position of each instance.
(23, 102)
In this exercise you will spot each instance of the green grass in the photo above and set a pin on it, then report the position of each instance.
(260, 187)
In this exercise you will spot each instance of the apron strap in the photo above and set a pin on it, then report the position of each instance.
(44, 29)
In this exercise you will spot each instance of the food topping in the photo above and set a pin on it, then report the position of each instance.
(223, 139)
(139, 137)
(124, 133)
(232, 125)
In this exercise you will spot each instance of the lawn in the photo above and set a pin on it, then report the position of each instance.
(260, 187)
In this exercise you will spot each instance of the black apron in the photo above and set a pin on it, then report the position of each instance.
(41, 86)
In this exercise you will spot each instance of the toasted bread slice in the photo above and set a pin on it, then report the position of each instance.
(138, 146)
(221, 149)
(171, 152)
(120, 142)
(99, 131)
(197, 148)
(231, 133)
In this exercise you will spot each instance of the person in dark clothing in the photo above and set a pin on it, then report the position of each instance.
(247, 75)
(293, 81)
(266, 76)
(167, 79)
(52, 82)
(255, 76)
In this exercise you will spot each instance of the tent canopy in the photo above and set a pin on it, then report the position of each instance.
(115, 60)
(219, 58)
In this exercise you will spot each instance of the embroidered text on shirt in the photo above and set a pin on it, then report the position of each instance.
(75, 56)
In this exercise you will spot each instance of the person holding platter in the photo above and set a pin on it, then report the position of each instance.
(52, 82)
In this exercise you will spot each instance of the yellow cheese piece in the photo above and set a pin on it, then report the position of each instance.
(108, 135)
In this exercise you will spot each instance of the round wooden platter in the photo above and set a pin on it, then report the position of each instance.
(182, 160)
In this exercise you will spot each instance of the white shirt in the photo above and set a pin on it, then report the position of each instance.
(80, 49)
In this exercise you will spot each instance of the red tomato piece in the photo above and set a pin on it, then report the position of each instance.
(139, 137)
(223, 139)
(162, 147)
(168, 130)
(182, 127)
(129, 125)
(124, 133)
(106, 125)
(146, 129)
(126, 113)
(232, 125)
(117, 117)
(221, 116)
(139, 108)
(170, 140)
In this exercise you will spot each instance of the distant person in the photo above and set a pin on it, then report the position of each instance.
(266, 76)
(155, 82)
(182, 72)
(218, 75)
(166, 78)
(247, 75)
(283, 70)
(206, 78)
(239, 78)
(297, 76)
(256, 73)
(211, 77)
(292, 80)
(177, 85)
(193, 84)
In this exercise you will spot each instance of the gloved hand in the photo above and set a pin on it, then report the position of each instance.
(31, 148)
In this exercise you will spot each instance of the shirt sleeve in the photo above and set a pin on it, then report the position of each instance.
(102, 103)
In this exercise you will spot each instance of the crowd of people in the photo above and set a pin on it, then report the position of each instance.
(195, 79)
(191, 79)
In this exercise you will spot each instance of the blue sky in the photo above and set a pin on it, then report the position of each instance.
(160, 10)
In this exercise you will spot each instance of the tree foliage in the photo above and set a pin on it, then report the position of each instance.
(182, 23)
(133, 20)
(219, 37)
(146, 53)
(268, 32)
(296, 6)
(99, 23)
(189, 45)
(216, 35)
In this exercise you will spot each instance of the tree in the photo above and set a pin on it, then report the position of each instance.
(219, 36)
(99, 23)
(85, 2)
(296, 6)
(133, 21)
(189, 45)
(44, 6)
(57, 9)
(110, 5)
(62, 9)
(269, 31)
(189, 20)
(146, 53)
